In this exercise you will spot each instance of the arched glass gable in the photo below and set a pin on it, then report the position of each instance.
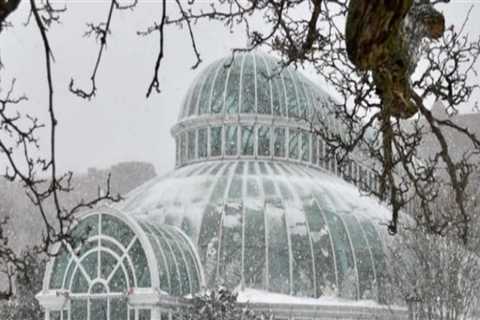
(111, 252)
(106, 261)
(107, 251)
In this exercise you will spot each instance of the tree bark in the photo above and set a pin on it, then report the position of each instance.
(7, 7)
(377, 41)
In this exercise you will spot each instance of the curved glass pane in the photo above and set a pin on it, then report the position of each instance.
(264, 105)
(108, 262)
(302, 97)
(112, 246)
(140, 264)
(248, 85)
(378, 258)
(195, 274)
(118, 282)
(302, 264)
(183, 276)
(90, 264)
(233, 87)
(210, 226)
(204, 102)
(85, 247)
(131, 279)
(231, 246)
(69, 274)
(278, 252)
(292, 104)
(59, 268)
(194, 98)
(363, 259)
(190, 261)
(254, 241)
(85, 229)
(79, 283)
(322, 247)
(219, 88)
(163, 268)
(278, 91)
(347, 278)
(235, 189)
(116, 229)
(173, 272)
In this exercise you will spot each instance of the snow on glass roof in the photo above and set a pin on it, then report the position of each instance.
(273, 226)
(253, 203)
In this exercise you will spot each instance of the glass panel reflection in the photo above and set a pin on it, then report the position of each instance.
(254, 241)
(219, 88)
(191, 145)
(233, 87)
(263, 87)
(278, 249)
(305, 146)
(279, 142)
(215, 141)
(231, 141)
(293, 143)
(263, 141)
(248, 85)
(202, 142)
(248, 140)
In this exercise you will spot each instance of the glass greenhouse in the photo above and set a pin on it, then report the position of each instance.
(253, 204)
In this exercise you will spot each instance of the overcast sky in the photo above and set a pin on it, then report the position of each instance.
(120, 124)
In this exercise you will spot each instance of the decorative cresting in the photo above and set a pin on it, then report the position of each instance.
(275, 226)
(117, 260)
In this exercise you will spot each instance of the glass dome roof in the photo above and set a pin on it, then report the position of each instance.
(274, 226)
(251, 83)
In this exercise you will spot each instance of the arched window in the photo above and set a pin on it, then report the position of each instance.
(98, 271)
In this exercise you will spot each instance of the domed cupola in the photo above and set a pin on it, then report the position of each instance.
(246, 108)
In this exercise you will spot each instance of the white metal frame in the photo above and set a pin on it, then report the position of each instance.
(52, 299)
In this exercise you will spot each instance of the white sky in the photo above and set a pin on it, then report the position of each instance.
(120, 124)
